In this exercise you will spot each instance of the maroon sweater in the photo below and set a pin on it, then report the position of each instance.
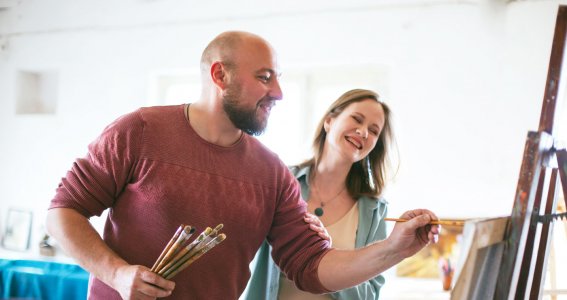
(154, 172)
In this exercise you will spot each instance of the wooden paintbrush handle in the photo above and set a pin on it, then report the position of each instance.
(435, 222)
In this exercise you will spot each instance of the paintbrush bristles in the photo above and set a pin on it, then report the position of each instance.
(179, 253)
(218, 227)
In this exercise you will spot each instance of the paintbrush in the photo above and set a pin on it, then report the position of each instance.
(187, 250)
(434, 222)
(168, 246)
(185, 263)
(175, 247)
(179, 253)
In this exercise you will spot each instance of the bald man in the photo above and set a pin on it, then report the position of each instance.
(197, 164)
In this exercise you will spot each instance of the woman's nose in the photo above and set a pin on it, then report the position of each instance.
(362, 132)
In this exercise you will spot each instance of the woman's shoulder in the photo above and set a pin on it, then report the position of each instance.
(298, 170)
(373, 202)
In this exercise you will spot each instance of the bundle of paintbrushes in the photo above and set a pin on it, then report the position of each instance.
(179, 253)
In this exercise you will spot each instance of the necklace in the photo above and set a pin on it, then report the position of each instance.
(319, 211)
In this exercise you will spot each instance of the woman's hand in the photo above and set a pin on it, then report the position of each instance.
(407, 238)
(316, 225)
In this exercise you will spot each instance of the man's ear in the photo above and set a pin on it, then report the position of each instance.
(218, 74)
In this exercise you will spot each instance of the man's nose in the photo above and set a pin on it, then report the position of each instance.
(276, 92)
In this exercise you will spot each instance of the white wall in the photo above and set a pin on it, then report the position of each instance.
(466, 80)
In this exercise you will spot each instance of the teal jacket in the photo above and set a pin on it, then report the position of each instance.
(264, 283)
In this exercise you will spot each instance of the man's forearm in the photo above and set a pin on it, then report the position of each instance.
(340, 269)
(80, 240)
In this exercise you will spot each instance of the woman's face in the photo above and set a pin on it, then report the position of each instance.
(355, 131)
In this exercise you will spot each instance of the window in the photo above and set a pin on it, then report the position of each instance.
(307, 94)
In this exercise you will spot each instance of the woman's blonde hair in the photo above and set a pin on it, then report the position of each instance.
(366, 177)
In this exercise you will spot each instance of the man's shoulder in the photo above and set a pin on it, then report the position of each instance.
(263, 161)
(260, 150)
(144, 115)
(157, 113)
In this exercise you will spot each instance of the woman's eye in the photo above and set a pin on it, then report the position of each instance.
(357, 119)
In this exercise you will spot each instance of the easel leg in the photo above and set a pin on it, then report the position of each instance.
(547, 229)
(552, 271)
(545, 239)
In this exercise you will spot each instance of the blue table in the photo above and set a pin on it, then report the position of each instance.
(29, 279)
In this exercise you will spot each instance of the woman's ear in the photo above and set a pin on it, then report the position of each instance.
(327, 124)
(218, 74)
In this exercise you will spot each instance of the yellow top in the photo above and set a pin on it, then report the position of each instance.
(343, 233)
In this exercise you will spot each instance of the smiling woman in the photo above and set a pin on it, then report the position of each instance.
(346, 174)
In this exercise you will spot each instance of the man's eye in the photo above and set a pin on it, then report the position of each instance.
(264, 78)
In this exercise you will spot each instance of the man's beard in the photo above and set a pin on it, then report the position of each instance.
(242, 118)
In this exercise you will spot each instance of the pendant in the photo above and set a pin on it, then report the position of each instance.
(319, 211)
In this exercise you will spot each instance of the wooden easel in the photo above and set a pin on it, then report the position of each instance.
(526, 244)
